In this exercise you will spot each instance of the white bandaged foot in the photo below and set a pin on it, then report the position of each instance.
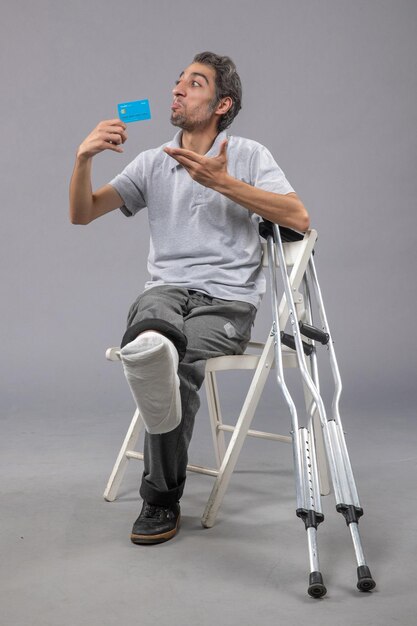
(150, 364)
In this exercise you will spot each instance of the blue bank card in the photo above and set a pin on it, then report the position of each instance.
(134, 111)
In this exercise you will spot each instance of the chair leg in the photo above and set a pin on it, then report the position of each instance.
(120, 466)
(215, 417)
(238, 437)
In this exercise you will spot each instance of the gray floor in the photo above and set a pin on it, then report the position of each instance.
(67, 559)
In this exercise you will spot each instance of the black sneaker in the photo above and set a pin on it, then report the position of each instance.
(156, 524)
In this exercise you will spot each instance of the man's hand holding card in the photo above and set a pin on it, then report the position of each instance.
(111, 134)
(107, 135)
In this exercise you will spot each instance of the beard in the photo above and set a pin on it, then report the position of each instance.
(181, 121)
(199, 120)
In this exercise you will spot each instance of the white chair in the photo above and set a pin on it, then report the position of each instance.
(297, 255)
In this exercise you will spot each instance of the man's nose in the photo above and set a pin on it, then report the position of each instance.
(179, 89)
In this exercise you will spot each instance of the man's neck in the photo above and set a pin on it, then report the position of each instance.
(199, 141)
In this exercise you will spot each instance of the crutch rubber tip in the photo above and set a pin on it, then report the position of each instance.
(316, 589)
(365, 580)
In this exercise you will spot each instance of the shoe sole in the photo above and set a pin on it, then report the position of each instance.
(152, 539)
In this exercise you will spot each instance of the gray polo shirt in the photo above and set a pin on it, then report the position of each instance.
(199, 238)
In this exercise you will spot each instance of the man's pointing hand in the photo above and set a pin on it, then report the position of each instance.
(208, 171)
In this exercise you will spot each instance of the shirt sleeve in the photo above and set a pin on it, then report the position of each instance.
(266, 173)
(130, 184)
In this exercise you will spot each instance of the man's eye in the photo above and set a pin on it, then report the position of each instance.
(194, 83)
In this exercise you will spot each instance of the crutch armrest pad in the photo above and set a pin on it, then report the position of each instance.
(287, 234)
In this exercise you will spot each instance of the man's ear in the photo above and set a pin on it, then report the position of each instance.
(224, 105)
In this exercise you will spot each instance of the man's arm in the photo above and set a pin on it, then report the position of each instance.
(284, 209)
(86, 206)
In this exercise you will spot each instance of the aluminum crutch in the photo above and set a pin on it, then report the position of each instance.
(347, 501)
(305, 466)
(345, 491)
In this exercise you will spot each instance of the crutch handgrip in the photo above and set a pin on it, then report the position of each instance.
(314, 333)
(289, 341)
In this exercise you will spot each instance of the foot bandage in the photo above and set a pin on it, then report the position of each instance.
(150, 364)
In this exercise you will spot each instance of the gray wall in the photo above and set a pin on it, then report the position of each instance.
(329, 87)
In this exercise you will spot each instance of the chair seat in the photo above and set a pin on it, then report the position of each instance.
(228, 362)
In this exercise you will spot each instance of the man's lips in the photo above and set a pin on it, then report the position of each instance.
(175, 106)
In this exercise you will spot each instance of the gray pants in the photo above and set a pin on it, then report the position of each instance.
(213, 327)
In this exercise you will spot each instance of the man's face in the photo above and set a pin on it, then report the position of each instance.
(194, 97)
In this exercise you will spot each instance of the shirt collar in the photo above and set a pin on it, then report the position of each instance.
(214, 150)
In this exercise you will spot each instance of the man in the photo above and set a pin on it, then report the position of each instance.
(205, 193)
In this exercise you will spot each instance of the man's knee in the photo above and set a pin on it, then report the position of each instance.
(161, 326)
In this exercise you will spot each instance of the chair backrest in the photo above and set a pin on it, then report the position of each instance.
(297, 255)
(293, 250)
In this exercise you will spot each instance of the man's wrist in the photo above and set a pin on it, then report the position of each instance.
(82, 157)
(223, 183)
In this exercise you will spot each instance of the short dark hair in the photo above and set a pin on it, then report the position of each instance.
(227, 83)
